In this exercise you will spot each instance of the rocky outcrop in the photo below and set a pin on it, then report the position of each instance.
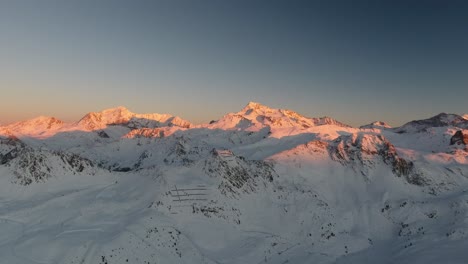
(363, 152)
(12, 154)
(102, 134)
(145, 133)
(152, 132)
(321, 121)
(9, 147)
(238, 174)
(32, 165)
(182, 151)
(459, 138)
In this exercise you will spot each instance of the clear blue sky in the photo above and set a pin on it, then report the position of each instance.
(356, 61)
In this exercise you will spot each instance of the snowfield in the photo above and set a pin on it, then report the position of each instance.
(261, 185)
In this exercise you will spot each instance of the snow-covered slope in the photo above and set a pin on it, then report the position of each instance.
(262, 185)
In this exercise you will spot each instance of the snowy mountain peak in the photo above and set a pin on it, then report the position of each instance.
(376, 124)
(41, 120)
(99, 120)
(465, 116)
(255, 106)
(447, 118)
(122, 116)
(119, 110)
(255, 116)
(46, 127)
(440, 120)
(36, 126)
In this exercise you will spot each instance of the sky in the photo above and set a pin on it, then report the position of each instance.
(356, 61)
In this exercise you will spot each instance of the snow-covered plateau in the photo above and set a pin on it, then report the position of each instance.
(261, 185)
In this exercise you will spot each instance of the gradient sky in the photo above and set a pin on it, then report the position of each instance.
(356, 61)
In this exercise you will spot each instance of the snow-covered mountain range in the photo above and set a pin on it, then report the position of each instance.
(43, 126)
(262, 185)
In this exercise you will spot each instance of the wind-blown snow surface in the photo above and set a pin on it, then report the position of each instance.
(258, 186)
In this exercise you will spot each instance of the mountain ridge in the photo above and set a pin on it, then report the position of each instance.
(439, 120)
(44, 126)
(253, 116)
(263, 185)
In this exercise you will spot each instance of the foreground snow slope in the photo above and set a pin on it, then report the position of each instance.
(259, 186)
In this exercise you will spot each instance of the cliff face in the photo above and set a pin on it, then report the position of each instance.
(459, 138)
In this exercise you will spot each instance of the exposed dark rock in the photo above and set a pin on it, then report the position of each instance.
(103, 134)
(4, 159)
(122, 169)
(183, 151)
(320, 121)
(31, 165)
(239, 175)
(459, 138)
